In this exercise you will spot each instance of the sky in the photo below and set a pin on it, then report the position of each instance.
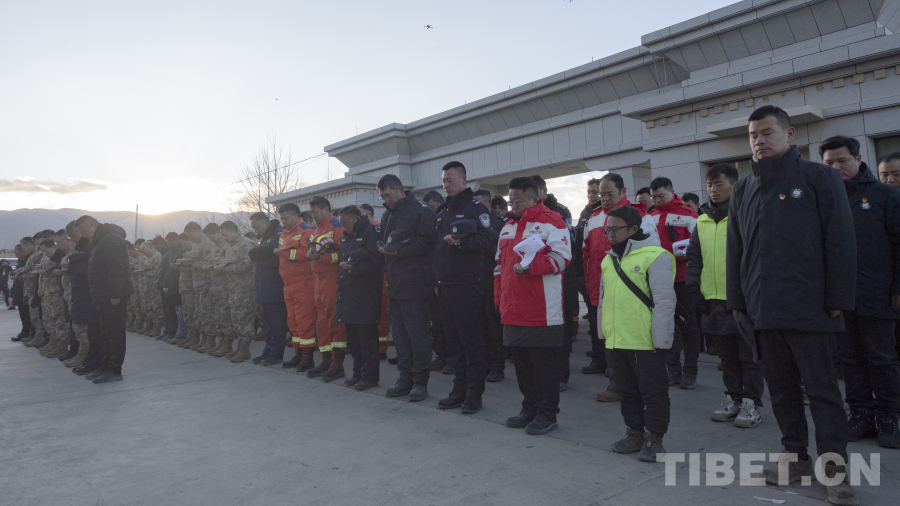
(106, 105)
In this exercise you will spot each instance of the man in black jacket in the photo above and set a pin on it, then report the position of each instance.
(407, 228)
(490, 317)
(791, 257)
(867, 350)
(458, 260)
(110, 283)
(269, 288)
(85, 318)
(167, 284)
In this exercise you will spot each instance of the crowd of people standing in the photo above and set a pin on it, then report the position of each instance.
(791, 274)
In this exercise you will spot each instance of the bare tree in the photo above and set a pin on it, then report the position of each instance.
(268, 172)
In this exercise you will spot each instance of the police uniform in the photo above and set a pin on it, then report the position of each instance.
(458, 271)
(496, 355)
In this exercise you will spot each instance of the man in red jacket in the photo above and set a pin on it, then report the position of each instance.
(323, 256)
(675, 222)
(595, 245)
(528, 291)
(299, 296)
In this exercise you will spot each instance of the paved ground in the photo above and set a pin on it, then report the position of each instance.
(186, 428)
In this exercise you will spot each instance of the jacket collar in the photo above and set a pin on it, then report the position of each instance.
(531, 213)
(671, 205)
(649, 240)
(457, 201)
(550, 201)
(777, 166)
(401, 204)
(715, 212)
(361, 224)
(272, 229)
(589, 210)
(623, 202)
(863, 177)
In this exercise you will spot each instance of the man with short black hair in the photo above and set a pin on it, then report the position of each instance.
(528, 292)
(691, 200)
(675, 223)
(867, 350)
(889, 169)
(323, 256)
(434, 200)
(167, 283)
(53, 306)
(792, 217)
(643, 197)
(463, 232)
(499, 207)
(269, 288)
(407, 231)
(110, 286)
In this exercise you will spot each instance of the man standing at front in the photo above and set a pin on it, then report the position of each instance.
(529, 294)
(110, 283)
(791, 268)
(463, 232)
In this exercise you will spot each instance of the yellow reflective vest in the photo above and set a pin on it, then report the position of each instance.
(713, 238)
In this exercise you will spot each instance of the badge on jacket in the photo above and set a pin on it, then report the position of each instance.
(485, 220)
(865, 204)
(796, 193)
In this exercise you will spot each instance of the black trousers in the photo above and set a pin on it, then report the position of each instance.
(790, 357)
(170, 302)
(643, 387)
(4, 289)
(493, 330)
(438, 341)
(112, 333)
(566, 349)
(742, 376)
(25, 316)
(409, 330)
(465, 338)
(362, 341)
(537, 372)
(687, 336)
(96, 357)
(274, 315)
(868, 358)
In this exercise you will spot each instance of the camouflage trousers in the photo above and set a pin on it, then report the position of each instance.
(188, 302)
(54, 315)
(37, 323)
(81, 333)
(151, 300)
(136, 306)
(222, 319)
(243, 314)
(205, 312)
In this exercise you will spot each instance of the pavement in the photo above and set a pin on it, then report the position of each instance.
(187, 428)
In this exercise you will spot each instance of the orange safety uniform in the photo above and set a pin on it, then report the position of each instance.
(299, 295)
(327, 239)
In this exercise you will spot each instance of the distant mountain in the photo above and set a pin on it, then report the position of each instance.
(16, 224)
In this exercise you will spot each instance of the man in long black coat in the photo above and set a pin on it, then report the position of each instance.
(867, 352)
(791, 269)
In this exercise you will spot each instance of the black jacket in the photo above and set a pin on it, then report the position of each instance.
(717, 319)
(170, 278)
(84, 312)
(791, 248)
(577, 263)
(165, 261)
(269, 285)
(554, 205)
(359, 289)
(109, 275)
(490, 254)
(876, 214)
(409, 273)
(461, 264)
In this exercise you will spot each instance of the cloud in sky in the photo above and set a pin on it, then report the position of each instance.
(26, 185)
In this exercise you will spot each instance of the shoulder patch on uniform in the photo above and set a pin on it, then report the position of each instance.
(485, 220)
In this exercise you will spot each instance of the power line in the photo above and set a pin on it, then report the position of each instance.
(260, 174)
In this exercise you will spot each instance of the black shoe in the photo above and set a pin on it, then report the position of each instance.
(519, 421)
(452, 401)
(364, 385)
(540, 425)
(161, 336)
(593, 368)
(860, 425)
(689, 381)
(258, 360)
(94, 374)
(652, 447)
(888, 430)
(495, 376)
(332, 374)
(293, 362)
(318, 370)
(471, 405)
(674, 377)
(438, 364)
(107, 377)
(393, 360)
(82, 370)
(67, 355)
(352, 380)
(631, 443)
(11, 308)
(399, 390)
(418, 393)
(17, 338)
(43, 343)
(270, 361)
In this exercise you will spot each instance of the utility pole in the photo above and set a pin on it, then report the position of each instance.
(135, 220)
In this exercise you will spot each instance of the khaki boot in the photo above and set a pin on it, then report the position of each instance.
(77, 360)
(210, 345)
(50, 346)
(243, 351)
(224, 349)
(231, 353)
(137, 325)
(62, 347)
(182, 342)
(148, 329)
(38, 339)
(130, 321)
(197, 340)
(203, 340)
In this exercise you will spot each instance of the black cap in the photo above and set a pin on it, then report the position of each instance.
(462, 228)
(398, 238)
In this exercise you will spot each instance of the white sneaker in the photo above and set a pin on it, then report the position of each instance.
(727, 412)
(749, 415)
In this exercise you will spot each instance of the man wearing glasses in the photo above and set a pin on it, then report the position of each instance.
(675, 222)
(407, 229)
(611, 193)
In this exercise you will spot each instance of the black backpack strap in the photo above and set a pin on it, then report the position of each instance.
(631, 286)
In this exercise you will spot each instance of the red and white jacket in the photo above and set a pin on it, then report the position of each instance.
(596, 244)
(533, 299)
(674, 222)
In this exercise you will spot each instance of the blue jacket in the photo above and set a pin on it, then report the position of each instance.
(269, 286)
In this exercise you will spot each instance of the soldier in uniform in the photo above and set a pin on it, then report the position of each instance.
(136, 264)
(85, 317)
(186, 289)
(204, 309)
(238, 272)
(52, 303)
(150, 296)
(67, 245)
(30, 278)
(220, 317)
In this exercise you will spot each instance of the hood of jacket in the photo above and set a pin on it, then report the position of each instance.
(82, 244)
(717, 212)
(633, 244)
(862, 178)
(271, 230)
(589, 210)
(361, 224)
(403, 203)
(108, 228)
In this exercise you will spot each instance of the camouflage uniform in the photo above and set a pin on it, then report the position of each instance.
(80, 330)
(218, 294)
(239, 274)
(136, 264)
(53, 310)
(203, 255)
(30, 282)
(151, 299)
(186, 289)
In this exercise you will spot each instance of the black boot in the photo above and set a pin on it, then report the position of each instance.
(293, 362)
(320, 369)
(336, 370)
(306, 360)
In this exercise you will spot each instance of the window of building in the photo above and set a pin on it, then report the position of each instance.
(886, 145)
